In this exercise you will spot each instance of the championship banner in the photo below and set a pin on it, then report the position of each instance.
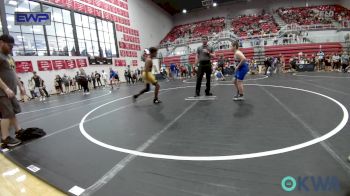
(24, 66)
(70, 64)
(81, 63)
(58, 64)
(44, 65)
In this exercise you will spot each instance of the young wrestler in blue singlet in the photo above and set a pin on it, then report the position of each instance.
(241, 71)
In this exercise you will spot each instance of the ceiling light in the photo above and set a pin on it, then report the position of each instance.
(215, 4)
(12, 2)
(21, 9)
(184, 11)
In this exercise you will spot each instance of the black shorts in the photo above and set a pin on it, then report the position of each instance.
(116, 77)
(9, 107)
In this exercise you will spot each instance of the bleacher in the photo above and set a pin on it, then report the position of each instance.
(323, 14)
(248, 52)
(254, 25)
(292, 50)
(197, 29)
(287, 51)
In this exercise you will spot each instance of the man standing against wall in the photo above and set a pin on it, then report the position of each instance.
(9, 105)
(204, 55)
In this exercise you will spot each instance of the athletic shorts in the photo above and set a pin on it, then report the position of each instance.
(9, 107)
(242, 72)
(149, 78)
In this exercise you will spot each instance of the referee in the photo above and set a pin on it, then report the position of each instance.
(204, 55)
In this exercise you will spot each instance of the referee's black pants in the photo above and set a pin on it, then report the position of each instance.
(204, 68)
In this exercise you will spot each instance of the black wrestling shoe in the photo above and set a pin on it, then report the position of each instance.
(156, 101)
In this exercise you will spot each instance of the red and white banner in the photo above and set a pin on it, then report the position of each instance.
(81, 63)
(24, 66)
(114, 6)
(70, 64)
(58, 64)
(119, 63)
(45, 65)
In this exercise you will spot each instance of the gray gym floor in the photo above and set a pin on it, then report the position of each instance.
(271, 118)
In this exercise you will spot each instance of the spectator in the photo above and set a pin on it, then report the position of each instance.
(78, 80)
(73, 84)
(130, 78)
(98, 79)
(9, 106)
(189, 69)
(336, 62)
(105, 78)
(275, 41)
(172, 71)
(328, 63)
(221, 63)
(24, 97)
(114, 77)
(126, 75)
(321, 60)
(93, 79)
(83, 80)
(218, 74)
(38, 85)
(31, 87)
(58, 85)
(305, 35)
(268, 64)
(44, 89)
(345, 62)
(89, 81)
(65, 81)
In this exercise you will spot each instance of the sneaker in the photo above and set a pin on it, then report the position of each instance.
(208, 94)
(44, 98)
(10, 142)
(238, 98)
(156, 101)
(88, 93)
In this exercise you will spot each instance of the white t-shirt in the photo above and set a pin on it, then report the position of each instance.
(320, 55)
(104, 75)
(336, 58)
